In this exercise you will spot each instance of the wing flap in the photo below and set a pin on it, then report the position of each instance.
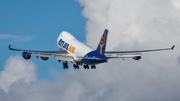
(42, 55)
(64, 58)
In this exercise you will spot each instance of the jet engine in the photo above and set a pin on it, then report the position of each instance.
(44, 58)
(137, 58)
(26, 55)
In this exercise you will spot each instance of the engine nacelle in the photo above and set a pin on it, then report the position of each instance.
(44, 58)
(137, 58)
(26, 55)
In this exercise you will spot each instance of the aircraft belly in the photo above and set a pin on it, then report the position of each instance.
(91, 62)
(64, 58)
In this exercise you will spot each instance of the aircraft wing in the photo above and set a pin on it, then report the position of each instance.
(131, 54)
(42, 53)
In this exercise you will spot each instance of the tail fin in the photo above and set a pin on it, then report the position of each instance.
(102, 44)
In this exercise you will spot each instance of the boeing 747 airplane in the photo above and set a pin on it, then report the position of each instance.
(80, 54)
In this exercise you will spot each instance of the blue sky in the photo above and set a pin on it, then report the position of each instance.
(35, 25)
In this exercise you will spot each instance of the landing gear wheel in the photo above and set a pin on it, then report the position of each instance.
(76, 66)
(65, 65)
(93, 67)
(86, 67)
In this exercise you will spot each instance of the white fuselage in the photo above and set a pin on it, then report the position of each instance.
(74, 47)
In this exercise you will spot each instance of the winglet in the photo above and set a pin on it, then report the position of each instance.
(9, 47)
(172, 47)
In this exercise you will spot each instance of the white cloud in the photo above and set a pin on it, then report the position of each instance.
(16, 68)
(23, 39)
(106, 83)
(15, 38)
(176, 3)
(6, 36)
(133, 25)
(132, 21)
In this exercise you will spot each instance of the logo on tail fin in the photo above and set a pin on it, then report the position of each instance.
(102, 44)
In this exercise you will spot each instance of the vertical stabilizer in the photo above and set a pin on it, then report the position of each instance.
(102, 44)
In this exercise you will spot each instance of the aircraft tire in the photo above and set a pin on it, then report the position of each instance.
(84, 66)
(93, 67)
(74, 66)
(87, 67)
(77, 67)
(65, 67)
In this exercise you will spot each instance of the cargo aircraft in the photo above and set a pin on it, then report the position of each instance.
(81, 54)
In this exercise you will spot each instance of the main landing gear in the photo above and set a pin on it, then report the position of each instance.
(76, 66)
(65, 65)
(87, 67)
(93, 67)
